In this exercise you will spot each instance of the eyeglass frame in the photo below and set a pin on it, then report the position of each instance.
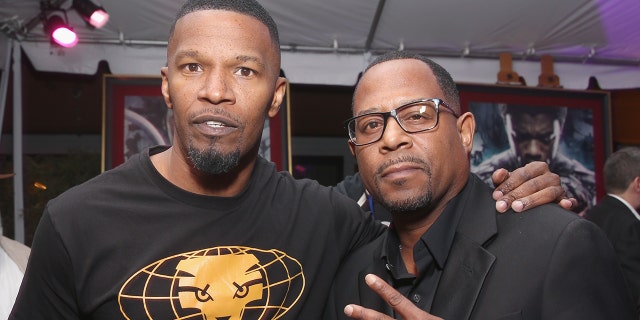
(394, 114)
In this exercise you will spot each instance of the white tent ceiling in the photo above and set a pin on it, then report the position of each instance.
(330, 41)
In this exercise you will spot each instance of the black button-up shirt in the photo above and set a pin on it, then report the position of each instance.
(430, 255)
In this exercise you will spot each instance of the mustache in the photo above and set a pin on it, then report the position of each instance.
(214, 111)
(401, 159)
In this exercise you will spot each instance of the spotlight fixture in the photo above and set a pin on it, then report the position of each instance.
(59, 31)
(93, 14)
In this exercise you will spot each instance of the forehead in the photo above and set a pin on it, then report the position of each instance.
(392, 83)
(218, 30)
(530, 123)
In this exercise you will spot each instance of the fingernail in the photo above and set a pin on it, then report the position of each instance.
(348, 310)
(369, 279)
(497, 194)
(517, 206)
(502, 206)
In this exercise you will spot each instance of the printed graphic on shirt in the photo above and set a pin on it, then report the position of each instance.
(231, 283)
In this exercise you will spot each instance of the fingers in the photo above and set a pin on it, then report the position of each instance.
(529, 187)
(354, 311)
(568, 203)
(547, 195)
(511, 181)
(499, 176)
(402, 306)
(384, 290)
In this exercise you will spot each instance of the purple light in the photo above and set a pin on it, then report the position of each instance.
(99, 18)
(59, 32)
(65, 37)
(93, 14)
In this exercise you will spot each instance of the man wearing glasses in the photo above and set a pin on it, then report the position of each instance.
(448, 253)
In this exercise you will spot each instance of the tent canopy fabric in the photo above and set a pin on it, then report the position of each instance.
(331, 41)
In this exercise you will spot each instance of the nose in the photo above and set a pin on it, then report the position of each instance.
(394, 137)
(534, 150)
(216, 87)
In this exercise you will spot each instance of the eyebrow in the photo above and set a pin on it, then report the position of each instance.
(242, 58)
(247, 58)
(187, 54)
(377, 109)
(370, 110)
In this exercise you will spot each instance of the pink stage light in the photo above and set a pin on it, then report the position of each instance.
(59, 32)
(65, 37)
(99, 18)
(93, 14)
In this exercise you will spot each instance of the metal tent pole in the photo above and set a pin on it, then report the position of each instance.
(18, 196)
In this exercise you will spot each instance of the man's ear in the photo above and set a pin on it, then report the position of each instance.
(165, 87)
(466, 128)
(352, 148)
(278, 96)
(635, 184)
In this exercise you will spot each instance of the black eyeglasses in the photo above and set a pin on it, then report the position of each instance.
(415, 116)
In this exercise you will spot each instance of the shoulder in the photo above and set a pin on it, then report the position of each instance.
(611, 208)
(549, 230)
(352, 186)
(548, 217)
(311, 197)
(104, 188)
(128, 171)
(310, 190)
(556, 238)
(364, 256)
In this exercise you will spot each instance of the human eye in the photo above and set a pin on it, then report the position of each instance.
(192, 67)
(245, 72)
(370, 123)
(418, 113)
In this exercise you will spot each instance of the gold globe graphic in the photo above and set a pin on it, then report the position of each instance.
(230, 283)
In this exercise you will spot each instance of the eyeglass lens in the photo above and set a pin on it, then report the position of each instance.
(415, 117)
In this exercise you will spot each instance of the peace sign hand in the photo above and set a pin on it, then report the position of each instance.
(402, 306)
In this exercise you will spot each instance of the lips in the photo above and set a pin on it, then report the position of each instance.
(214, 125)
(401, 170)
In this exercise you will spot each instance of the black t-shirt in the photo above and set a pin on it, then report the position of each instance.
(130, 244)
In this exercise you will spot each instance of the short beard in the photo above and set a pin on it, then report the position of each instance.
(212, 161)
(408, 205)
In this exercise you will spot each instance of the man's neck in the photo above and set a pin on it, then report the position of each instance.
(410, 229)
(177, 170)
(411, 226)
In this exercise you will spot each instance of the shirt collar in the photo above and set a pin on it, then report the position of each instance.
(438, 239)
(635, 213)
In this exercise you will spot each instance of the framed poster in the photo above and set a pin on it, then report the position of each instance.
(135, 117)
(568, 129)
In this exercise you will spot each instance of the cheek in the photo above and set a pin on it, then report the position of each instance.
(367, 161)
(254, 122)
(181, 92)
